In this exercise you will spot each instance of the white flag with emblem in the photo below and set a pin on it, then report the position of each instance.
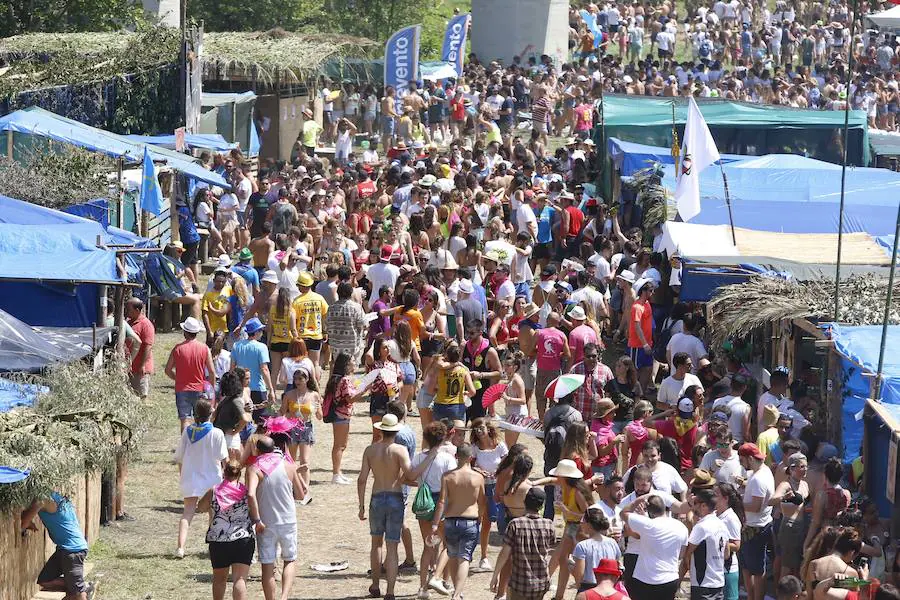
(698, 152)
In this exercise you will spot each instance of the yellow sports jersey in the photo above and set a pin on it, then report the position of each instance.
(281, 327)
(451, 386)
(217, 299)
(310, 310)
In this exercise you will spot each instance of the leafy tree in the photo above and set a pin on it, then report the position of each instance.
(31, 16)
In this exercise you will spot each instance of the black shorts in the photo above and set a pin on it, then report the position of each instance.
(239, 552)
(190, 254)
(431, 347)
(663, 53)
(68, 566)
(544, 250)
(279, 347)
(314, 344)
(378, 405)
(310, 150)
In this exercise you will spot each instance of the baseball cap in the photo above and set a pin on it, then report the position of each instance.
(685, 408)
(245, 254)
(386, 252)
(751, 450)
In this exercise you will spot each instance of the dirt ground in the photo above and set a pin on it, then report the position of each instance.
(134, 560)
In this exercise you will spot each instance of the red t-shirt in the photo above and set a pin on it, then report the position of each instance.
(190, 366)
(144, 329)
(576, 219)
(640, 312)
(685, 443)
(457, 109)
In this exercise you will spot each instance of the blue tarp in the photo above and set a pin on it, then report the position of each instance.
(14, 394)
(630, 157)
(54, 253)
(95, 210)
(794, 194)
(211, 141)
(37, 121)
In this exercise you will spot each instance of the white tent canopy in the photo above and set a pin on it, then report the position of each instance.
(888, 19)
(693, 240)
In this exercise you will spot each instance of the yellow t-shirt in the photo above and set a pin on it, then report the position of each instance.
(451, 386)
(217, 299)
(281, 327)
(310, 310)
(311, 131)
(765, 441)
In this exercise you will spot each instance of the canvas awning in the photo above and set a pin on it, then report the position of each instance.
(43, 123)
(888, 19)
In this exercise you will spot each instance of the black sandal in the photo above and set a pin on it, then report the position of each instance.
(374, 591)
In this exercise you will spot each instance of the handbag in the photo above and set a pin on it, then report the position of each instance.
(423, 504)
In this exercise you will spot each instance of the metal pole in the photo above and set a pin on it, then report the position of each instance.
(846, 135)
(728, 203)
(120, 194)
(887, 310)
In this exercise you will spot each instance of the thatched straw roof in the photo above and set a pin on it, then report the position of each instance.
(277, 54)
(738, 309)
(41, 60)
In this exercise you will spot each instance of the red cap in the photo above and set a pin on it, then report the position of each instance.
(751, 450)
(608, 566)
(386, 252)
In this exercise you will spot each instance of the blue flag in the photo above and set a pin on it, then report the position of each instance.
(401, 58)
(454, 49)
(151, 195)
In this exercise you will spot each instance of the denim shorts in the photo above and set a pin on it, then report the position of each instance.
(461, 536)
(448, 411)
(492, 506)
(409, 372)
(185, 402)
(386, 515)
(424, 399)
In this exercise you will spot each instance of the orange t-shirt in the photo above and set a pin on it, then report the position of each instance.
(416, 325)
(642, 313)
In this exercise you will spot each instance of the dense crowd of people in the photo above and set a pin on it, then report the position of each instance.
(448, 265)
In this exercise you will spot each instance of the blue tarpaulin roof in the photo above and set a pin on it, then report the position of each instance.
(212, 141)
(630, 157)
(54, 253)
(861, 344)
(14, 394)
(37, 121)
(794, 194)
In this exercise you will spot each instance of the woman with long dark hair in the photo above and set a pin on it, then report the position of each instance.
(337, 408)
(730, 509)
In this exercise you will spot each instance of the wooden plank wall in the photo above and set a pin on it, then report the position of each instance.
(21, 559)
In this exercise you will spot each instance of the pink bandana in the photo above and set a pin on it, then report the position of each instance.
(229, 493)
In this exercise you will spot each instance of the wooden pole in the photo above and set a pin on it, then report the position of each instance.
(120, 321)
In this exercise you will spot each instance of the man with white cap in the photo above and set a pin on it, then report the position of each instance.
(389, 464)
(252, 354)
(581, 334)
(467, 308)
(188, 365)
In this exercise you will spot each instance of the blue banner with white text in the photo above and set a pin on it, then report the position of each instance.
(454, 49)
(401, 58)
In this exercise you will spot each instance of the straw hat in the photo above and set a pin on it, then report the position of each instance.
(566, 468)
(531, 309)
(388, 422)
(770, 415)
(305, 279)
(702, 479)
(604, 407)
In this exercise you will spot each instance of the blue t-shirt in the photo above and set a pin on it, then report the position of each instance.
(252, 355)
(544, 223)
(62, 525)
(407, 438)
(248, 273)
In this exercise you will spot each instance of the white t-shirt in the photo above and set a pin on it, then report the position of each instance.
(524, 216)
(685, 342)
(603, 267)
(760, 485)
(443, 462)
(327, 105)
(243, 191)
(201, 462)
(710, 536)
(381, 274)
(733, 525)
(723, 469)
(506, 291)
(633, 543)
(739, 409)
(671, 390)
(519, 270)
(489, 460)
(662, 540)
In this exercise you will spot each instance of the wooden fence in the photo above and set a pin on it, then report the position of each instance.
(21, 559)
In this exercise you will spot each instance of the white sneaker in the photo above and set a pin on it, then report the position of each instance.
(422, 595)
(485, 565)
(306, 500)
(179, 553)
(340, 479)
(439, 586)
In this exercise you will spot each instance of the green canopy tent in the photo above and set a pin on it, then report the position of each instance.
(738, 127)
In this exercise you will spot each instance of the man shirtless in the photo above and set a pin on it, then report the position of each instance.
(464, 504)
(262, 247)
(388, 117)
(390, 466)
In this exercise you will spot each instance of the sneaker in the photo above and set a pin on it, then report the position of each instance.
(422, 595)
(306, 500)
(439, 586)
(89, 589)
(125, 517)
(340, 479)
(412, 413)
(485, 565)
(179, 553)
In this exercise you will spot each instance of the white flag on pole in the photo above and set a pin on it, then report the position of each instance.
(698, 152)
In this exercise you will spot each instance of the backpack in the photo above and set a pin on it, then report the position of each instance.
(555, 437)
(705, 48)
(661, 341)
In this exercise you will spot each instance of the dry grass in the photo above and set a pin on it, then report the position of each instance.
(134, 559)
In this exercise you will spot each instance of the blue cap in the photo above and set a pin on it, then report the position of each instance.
(253, 325)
